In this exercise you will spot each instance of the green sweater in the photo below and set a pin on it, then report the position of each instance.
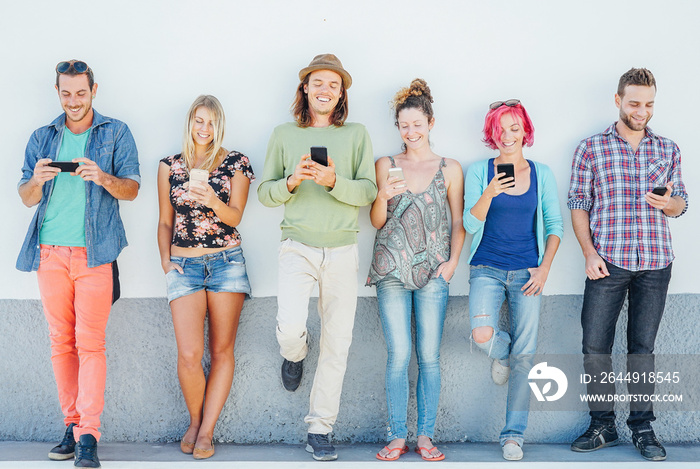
(313, 214)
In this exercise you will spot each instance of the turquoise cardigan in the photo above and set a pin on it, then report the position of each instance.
(549, 221)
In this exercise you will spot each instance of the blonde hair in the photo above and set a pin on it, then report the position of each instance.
(214, 150)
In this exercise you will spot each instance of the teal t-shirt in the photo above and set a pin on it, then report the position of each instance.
(64, 222)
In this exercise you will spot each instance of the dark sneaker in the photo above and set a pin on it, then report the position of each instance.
(647, 444)
(321, 447)
(66, 448)
(597, 436)
(291, 374)
(86, 452)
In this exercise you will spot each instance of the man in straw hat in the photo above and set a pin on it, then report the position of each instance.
(319, 234)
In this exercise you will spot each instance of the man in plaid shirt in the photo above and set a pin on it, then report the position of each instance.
(620, 221)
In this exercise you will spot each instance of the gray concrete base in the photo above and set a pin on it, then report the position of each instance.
(142, 455)
(143, 401)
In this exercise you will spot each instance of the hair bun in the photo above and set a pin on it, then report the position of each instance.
(418, 88)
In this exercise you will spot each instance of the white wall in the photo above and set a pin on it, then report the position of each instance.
(152, 58)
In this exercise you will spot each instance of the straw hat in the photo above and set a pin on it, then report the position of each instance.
(327, 62)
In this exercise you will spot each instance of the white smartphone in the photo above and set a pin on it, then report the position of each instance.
(396, 172)
(198, 176)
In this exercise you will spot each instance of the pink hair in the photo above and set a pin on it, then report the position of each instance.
(492, 124)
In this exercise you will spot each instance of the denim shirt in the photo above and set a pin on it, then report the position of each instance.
(112, 147)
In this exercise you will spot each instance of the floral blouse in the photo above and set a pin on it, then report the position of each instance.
(196, 225)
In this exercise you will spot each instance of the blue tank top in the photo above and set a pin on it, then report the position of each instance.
(509, 241)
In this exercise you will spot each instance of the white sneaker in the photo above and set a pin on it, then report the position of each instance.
(512, 452)
(499, 372)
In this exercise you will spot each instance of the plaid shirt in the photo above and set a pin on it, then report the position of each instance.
(609, 180)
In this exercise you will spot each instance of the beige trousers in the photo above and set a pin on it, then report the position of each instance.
(335, 270)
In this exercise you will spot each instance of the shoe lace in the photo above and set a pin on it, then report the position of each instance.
(294, 367)
(85, 452)
(647, 439)
(593, 431)
(322, 441)
(68, 437)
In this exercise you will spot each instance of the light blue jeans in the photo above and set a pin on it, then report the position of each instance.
(488, 288)
(395, 307)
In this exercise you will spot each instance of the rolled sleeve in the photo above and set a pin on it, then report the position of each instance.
(126, 156)
(677, 179)
(30, 159)
(580, 195)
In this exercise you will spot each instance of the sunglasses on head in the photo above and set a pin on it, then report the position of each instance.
(78, 65)
(509, 103)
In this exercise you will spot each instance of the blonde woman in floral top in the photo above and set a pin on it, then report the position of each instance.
(200, 252)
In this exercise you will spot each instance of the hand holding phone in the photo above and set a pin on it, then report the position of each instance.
(199, 177)
(659, 190)
(320, 155)
(397, 173)
(509, 169)
(64, 166)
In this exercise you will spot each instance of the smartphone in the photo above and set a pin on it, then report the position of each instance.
(507, 168)
(396, 172)
(319, 155)
(198, 176)
(660, 190)
(64, 166)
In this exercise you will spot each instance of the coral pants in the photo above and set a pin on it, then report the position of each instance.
(77, 300)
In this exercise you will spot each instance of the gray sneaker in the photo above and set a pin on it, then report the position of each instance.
(647, 444)
(597, 436)
(321, 447)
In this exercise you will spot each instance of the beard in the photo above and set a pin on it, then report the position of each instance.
(77, 118)
(632, 125)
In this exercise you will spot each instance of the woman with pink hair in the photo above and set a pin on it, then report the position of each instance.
(512, 209)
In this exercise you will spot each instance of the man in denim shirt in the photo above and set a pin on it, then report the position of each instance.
(74, 237)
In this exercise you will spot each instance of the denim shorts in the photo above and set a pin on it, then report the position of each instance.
(220, 272)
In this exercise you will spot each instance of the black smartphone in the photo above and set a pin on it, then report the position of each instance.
(320, 155)
(64, 166)
(507, 168)
(660, 190)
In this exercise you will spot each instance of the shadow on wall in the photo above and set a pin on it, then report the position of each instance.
(143, 401)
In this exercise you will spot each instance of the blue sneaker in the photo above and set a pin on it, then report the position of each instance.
(66, 448)
(86, 452)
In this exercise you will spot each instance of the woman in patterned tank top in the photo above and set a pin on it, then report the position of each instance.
(418, 217)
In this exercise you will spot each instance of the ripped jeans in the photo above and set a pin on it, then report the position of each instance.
(488, 287)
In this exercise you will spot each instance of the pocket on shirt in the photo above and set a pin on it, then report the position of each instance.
(658, 171)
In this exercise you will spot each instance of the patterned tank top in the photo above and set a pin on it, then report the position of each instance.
(415, 239)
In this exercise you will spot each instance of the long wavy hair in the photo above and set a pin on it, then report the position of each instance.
(214, 150)
(302, 114)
